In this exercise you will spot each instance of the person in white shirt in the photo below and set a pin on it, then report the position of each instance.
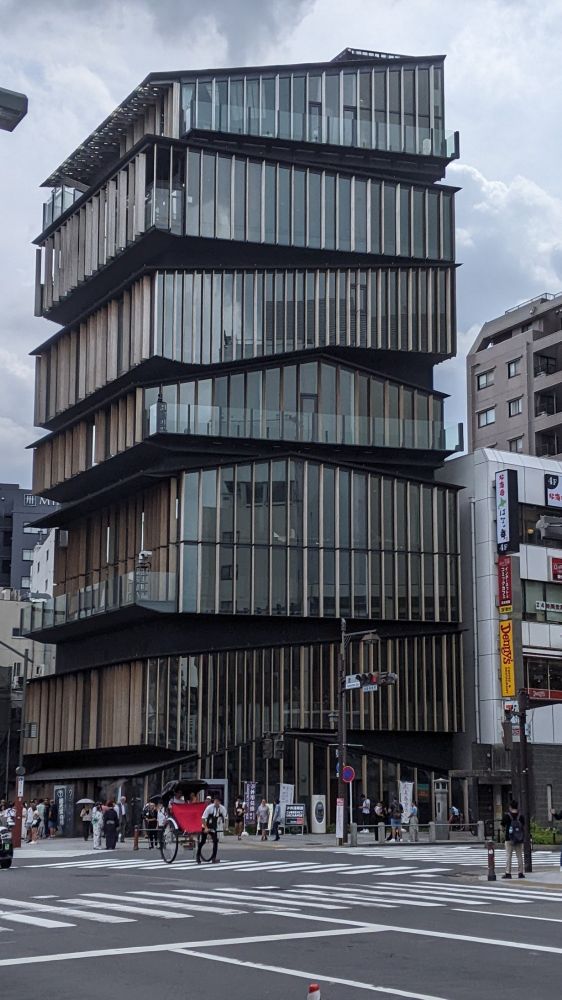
(365, 809)
(210, 821)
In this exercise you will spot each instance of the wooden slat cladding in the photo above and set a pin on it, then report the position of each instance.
(107, 543)
(108, 343)
(90, 710)
(88, 442)
(94, 234)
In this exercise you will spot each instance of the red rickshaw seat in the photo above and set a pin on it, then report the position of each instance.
(188, 815)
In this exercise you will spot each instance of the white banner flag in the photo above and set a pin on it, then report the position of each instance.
(406, 798)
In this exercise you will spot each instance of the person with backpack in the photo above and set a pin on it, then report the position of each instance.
(514, 825)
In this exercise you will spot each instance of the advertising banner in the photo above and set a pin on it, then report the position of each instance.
(507, 659)
(250, 801)
(507, 526)
(553, 490)
(505, 599)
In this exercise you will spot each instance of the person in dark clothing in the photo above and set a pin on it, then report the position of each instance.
(514, 825)
(557, 815)
(110, 826)
(150, 818)
(276, 820)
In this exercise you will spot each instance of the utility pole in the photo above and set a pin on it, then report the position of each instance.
(20, 769)
(523, 768)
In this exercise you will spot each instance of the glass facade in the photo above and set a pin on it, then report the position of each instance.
(203, 317)
(257, 201)
(312, 401)
(300, 538)
(397, 108)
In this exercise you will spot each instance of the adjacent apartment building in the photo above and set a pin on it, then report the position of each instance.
(252, 276)
(514, 380)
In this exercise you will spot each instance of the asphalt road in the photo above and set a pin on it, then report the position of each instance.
(267, 921)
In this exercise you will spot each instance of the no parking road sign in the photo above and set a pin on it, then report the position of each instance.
(348, 774)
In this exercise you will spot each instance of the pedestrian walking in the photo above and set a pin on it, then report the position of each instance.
(210, 821)
(514, 825)
(365, 811)
(86, 817)
(97, 825)
(110, 826)
(262, 814)
(150, 818)
(28, 823)
(122, 810)
(413, 823)
(396, 810)
(276, 820)
(42, 824)
(35, 825)
(239, 813)
(379, 817)
(53, 818)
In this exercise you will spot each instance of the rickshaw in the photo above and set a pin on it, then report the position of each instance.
(184, 822)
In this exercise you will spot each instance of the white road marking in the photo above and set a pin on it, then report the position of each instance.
(350, 928)
(160, 897)
(33, 919)
(311, 976)
(123, 908)
(514, 916)
(64, 911)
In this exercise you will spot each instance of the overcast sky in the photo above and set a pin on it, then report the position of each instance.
(77, 60)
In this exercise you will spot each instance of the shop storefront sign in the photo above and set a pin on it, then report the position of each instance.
(507, 659)
(505, 599)
(556, 569)
(553, 490)
(507, 527)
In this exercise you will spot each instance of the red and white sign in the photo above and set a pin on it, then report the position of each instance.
(556, 569)
(544, 694)
(504, 581)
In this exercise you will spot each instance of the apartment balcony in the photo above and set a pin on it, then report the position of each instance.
(548, 442)
(123, 599)
(306, 428)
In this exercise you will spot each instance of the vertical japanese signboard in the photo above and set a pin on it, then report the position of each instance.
(250, 801)
(507, 526)
(553, 490)
(507, 659)
(505, 599)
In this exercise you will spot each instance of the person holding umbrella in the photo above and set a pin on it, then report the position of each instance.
(86, 816)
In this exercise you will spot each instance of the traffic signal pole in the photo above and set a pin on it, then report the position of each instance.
(342, 726)
(523, 767)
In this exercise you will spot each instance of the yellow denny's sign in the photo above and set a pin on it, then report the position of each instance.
(507, 659)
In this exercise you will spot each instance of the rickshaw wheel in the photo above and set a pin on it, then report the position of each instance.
(207, 850)
(169, 842)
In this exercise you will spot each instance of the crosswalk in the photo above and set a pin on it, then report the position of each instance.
(309, 899)
(248, 866)
(449, 855)
(409, 859)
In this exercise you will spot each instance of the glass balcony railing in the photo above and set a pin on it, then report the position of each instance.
(320, 428)
(60, 199)
(363, 133)
(157, 591)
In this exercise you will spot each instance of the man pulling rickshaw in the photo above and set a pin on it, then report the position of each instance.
(190, 820)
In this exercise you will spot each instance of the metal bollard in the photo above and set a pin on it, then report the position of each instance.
(136, 839)
(491, 861)
(381, 833)
(353, 834)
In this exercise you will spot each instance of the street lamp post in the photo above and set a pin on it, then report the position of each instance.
(369, 636)
(523, 704)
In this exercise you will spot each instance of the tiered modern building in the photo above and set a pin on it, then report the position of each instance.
(252, 273)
